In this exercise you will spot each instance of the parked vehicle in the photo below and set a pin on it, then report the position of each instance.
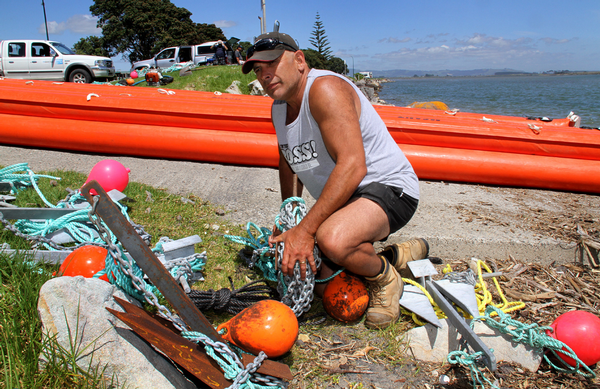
(49, 60)
(199, 54)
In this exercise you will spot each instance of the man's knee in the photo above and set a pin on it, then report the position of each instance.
(333, 244)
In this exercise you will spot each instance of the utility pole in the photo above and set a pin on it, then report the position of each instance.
(45, 20)
(263, 25)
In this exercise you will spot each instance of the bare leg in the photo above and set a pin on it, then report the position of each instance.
(347, 236)
(347, 239)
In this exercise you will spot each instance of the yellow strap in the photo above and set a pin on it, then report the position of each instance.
(482, 294)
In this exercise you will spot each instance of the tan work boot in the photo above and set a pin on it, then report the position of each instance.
(399, 255)
(385, 291)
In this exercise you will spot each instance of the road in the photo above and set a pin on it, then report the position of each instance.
(460, 221)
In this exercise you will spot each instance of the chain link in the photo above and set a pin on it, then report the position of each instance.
(242, 374)
(465, 277)
(129, 267)
(296, 293)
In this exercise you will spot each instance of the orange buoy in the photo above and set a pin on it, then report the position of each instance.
(130, 81)
(84, 261)
(345, 297)
(268, 326)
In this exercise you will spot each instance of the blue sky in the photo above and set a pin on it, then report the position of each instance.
(528, 35)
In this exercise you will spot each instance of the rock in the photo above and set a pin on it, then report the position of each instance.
(83, 300)
(431, 344)
(256, 89)
(186, 71)
(369, 91)
(234, 88)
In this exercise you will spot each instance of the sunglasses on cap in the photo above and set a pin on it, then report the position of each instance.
(266, 44)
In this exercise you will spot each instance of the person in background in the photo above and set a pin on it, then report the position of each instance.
(332, 138)
(220, 53)
(238, 56)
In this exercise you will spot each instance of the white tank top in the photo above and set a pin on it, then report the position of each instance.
(303, 147)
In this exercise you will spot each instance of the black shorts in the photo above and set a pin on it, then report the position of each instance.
(398, 206)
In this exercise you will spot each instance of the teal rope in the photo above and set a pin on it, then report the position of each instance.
(259, 242)
(117, 277)
(76, 223)
(197, 264)
(296, 211)
(28, 178)
(535, 336)
(530, 334)
(470, 361)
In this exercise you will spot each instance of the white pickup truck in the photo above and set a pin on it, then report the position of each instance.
(199, 54)
(49, 60)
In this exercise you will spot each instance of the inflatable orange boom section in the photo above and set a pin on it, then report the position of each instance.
(237, 129)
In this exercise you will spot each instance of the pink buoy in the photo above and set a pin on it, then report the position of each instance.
(110, 174)
(134, 74)
(580, 330)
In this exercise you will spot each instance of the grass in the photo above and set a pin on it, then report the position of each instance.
(208, 78)
(21, 341)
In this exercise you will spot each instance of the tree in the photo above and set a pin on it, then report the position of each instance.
(92, 45)
(139, 29)
(336, 64)
(314, 59)
(319, 39)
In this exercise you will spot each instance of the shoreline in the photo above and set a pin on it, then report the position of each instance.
(391, 79)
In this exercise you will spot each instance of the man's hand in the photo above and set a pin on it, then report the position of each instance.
(299, 247)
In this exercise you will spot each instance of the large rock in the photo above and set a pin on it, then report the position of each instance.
(256, 89)
(234, 88)
(431, 344)
(66, 301)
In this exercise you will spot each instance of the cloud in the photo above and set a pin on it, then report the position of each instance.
(394, 40)
(552, 41)
(225, 23)
(78, 24)
(53, 28)
(483, 40)
(478, 50)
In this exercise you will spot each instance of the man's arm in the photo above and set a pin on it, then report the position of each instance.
(336, 108)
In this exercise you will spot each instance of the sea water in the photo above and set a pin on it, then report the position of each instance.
(543, 95)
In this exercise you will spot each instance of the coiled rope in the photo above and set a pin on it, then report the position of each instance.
(294, 291)
(232, 300)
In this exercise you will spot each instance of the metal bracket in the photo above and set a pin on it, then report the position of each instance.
(414, 300)
(461, 325)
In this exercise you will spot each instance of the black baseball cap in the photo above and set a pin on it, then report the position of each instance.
(268, 47)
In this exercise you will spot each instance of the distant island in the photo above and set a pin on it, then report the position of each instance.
(400, 73)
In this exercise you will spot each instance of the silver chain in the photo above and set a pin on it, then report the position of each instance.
(299, 293)
(127, 266)
(249, 372)
(465, 277)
